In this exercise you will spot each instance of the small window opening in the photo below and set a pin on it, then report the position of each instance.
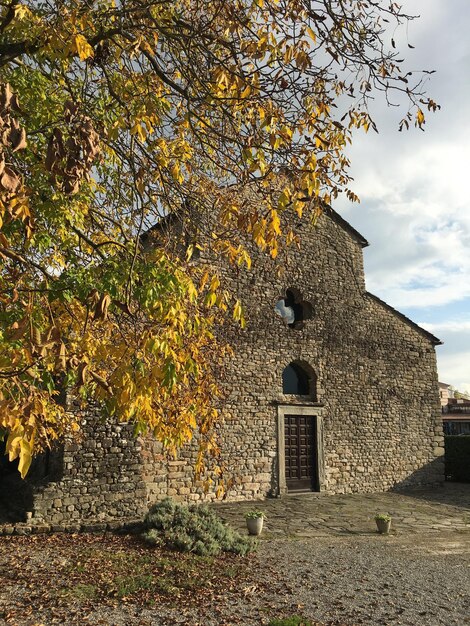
(299, 381)
(293, 309)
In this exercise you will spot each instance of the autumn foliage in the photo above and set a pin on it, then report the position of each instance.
(114, 115)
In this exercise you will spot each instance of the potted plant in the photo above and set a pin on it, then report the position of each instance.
(383, 521)
(254, 522)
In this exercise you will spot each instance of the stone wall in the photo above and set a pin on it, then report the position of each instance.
(165, 476)
(377, 391)
(376, 373)
(100, 477)
(376, 377)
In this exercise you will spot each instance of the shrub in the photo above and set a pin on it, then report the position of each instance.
(192, 529)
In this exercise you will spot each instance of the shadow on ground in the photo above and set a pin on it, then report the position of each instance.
(450, 493)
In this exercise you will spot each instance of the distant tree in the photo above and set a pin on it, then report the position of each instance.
(116, 113)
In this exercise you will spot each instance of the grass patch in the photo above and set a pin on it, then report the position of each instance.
(129, 585)
(82, 591)
(295, 620)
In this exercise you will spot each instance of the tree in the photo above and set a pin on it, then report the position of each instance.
(461, 395)
(117, 114)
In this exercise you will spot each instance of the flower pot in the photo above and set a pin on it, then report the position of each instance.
(254, 525)
(383, 526)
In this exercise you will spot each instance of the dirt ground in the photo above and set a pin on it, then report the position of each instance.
(329, 571)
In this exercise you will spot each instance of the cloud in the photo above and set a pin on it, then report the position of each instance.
(414, 193)
(456, 326)
(453, 358)
(419, 253)
(452, 371)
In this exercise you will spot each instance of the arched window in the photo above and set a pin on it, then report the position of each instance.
(299, 379)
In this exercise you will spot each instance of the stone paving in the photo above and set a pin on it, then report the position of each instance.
(428, 511)
(442, 509)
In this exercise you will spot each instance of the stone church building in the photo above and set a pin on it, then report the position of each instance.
(340, 396)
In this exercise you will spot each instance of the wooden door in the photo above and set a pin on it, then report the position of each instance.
(300, 453)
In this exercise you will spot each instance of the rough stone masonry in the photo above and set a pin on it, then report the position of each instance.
(367, 418)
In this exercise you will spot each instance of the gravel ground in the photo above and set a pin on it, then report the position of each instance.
(365, 580)
(368, 580)
(379, 580)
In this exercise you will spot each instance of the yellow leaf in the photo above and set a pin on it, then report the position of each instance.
(244, 257)
(210, 299)
(25, 457)
(420, 117)
(238, 314)
(237, 310)
(13, 446)
(287, 132)
(276, 222)
(258, 236)
(215, 283)
(246, 92)
(298, 208)
(22, 11)
(312, 34)
(139, 130)
(204, 279)
(83, 48)
(175, 171)
(284, 198)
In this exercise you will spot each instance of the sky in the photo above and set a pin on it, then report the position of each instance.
(415, 190)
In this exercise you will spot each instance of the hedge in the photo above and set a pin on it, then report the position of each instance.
(458, 458)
